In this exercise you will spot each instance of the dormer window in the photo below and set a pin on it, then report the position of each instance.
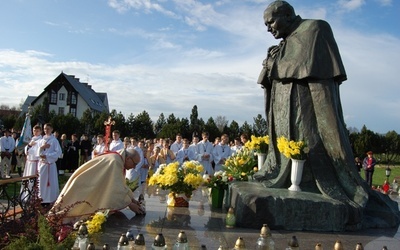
(53, 97)
(73, 99)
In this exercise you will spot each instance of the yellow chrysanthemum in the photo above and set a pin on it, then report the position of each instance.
(292, 149)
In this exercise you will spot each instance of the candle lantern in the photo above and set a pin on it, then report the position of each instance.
(230, 220)
(359, 246)
(338, 245)
(239, 245)
(159, 242)
(106, 247)
(123, 243)
(318, 246)
(91, 246)
(139, 242)
(388, 171)
(181, 242)
(82, 241)
(265, 242)
(293, 244)
(131, 238)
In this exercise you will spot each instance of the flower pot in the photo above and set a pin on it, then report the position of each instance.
(296, 174)
(261, 157)
(177, 200)
(217, 197)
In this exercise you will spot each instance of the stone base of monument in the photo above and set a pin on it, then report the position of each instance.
(255, 205)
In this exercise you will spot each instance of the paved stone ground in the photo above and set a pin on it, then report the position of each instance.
(206, 226)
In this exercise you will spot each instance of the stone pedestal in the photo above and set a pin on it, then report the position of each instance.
(256, 205)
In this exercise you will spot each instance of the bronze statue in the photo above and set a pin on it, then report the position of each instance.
(301, 78)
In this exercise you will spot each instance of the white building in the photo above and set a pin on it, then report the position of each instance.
(66, 94)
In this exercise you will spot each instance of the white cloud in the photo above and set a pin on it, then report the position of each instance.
(385, 2)
(146, 5)
(350, 5)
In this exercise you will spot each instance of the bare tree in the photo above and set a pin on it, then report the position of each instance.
(221, 122)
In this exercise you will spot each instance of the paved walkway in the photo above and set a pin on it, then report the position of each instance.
(206, 226)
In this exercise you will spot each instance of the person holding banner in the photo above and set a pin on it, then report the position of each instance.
(31, 165)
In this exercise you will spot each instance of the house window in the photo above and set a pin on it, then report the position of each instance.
(61, 110)
(73, 99)
(53, 97)
(73, 111)
(61, 96)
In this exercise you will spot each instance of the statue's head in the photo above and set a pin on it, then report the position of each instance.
(278, 17)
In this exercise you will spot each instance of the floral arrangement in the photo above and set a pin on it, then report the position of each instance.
(292, 149)
(219, 180)
(95, 223)
(241, 165)
(258, 144)
(178, 179)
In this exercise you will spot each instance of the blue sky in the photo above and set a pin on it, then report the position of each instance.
(165, 56)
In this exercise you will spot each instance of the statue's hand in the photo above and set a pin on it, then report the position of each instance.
(272, 51)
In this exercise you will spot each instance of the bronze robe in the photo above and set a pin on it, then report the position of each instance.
(301, 83)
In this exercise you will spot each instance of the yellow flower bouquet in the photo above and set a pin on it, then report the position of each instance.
(178, 179)
(292, 149)
(240, 165)
(94, 225)
(258, 144)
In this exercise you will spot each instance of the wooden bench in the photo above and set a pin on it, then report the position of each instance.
(12, 213)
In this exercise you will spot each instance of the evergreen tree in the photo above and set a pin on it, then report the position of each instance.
(234, 129)
(142, 126)
(160, 123)
(87, 122)
(259, 126)
(212, 129)
(185, 129)
(120, 123)
(246, 129)
(194, 126)
(66, 124)
(391, 146)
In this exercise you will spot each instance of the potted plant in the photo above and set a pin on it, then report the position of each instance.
(296, 151)
(180, 180)
(260, 146)
(218, 184)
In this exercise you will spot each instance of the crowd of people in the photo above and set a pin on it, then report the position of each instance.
(48, 156)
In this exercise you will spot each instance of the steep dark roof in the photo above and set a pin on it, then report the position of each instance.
(93, 99)
(87, 93)
(26, 104)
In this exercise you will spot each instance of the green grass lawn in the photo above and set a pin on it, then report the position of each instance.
(10, 187)
(380, 176)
